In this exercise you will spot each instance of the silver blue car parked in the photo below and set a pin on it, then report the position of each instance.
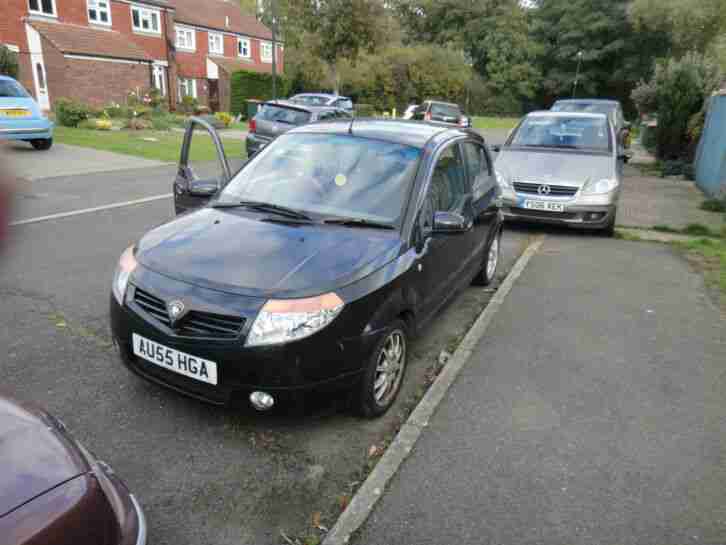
(21, 118)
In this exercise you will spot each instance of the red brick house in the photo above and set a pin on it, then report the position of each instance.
(97, 51)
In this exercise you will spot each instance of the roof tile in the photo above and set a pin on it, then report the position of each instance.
(213, 13)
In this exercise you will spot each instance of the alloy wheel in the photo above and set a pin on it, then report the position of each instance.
(389, 368)
(493, 258)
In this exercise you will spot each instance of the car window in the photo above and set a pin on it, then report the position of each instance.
(326, 115)
(445, 110)
(449, 187)
(344, 103)
(282, 114)
(331, 175)
(12, 89)
(342, 114)
(478, 168)
(565, 132)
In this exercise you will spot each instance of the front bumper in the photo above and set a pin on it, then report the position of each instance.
(329, 360)
(26, 129)
(580, 211)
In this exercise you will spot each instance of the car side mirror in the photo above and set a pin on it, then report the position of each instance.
(450, 222)
(204, 188)
(496, 148)
(624, 157)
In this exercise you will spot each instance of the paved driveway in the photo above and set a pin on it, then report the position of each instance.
(65, 160)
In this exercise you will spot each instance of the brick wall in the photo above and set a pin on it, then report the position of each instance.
(154, 45)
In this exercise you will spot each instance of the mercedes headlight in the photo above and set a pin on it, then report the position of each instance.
(285, 320)
(126, 265)
(599, 187)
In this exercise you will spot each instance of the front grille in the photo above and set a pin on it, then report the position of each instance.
(544, 214)
(194, 323)
(555, 190)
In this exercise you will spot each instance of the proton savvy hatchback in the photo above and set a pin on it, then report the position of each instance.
(312, 267)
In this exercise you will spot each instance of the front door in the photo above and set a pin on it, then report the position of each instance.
(159, 78)
(39, 75)
(214, 94)
(195, 186)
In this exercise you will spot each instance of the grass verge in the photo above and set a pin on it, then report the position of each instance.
(709, 256)
(495, 122)
(159, 145)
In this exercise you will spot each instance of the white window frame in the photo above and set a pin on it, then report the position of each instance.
(263, 47)
(187, 83)
(211, 36)
(99, 10)
(146, 14)
(191, 33)
(40, 11)
(247, 46)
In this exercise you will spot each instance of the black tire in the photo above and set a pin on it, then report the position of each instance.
(609, 230)
(43, 144)
(365, 401)
(486, 276)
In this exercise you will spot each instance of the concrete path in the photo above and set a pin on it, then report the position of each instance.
(593, 413)
(65, 160)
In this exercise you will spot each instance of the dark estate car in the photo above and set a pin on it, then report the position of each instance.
(611, 108)
(312, 267)
(442, 113)
(277, 117)
(53, 491)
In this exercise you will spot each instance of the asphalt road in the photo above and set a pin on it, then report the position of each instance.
(204, 474)
(591, 413)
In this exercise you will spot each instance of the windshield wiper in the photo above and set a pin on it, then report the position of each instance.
(359, 222)
(265, 207)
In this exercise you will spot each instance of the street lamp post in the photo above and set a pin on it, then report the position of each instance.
(577, 73)
(273, 24)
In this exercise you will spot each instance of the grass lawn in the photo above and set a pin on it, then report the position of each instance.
(709, 254)
(166, 146)
(495, 122)
(241, 126)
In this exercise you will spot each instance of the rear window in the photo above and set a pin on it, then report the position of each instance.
(585, 107)
(445, 110)
(12, 89)
(281, 114)
(311, 100)
(564, 132)
(345, 103)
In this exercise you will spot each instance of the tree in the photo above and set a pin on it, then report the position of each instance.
(8, 62)
(614, 55)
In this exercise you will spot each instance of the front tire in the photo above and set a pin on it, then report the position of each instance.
(489, 272)
(609, 230)
(43, 144)
(384, 373)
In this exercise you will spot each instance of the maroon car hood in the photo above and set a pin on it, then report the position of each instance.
(34, 455)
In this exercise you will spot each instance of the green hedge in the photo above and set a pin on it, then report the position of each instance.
(253, 85)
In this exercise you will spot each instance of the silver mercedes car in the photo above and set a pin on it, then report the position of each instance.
(563, 168)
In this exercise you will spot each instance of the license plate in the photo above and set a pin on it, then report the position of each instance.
(14, 113)
(175, 361)
(544, 205)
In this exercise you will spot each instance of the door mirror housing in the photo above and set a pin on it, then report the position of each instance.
(450, 222)
(204, 188)
(624, 157)
(496, 148)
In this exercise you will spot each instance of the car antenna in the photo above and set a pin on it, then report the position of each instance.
(350, 127)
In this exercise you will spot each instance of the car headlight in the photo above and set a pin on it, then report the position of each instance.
(502, 180)
(599, 187)
(287, 320)
(126, 265)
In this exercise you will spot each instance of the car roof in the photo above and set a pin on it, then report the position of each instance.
(298, 106)
(408, 133)
(442, 102)
(584, 115)
(6, 78)
(588, 101)
(324, 95)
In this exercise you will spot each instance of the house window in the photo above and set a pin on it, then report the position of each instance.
(187, 88)
(41, 77)
(99, 11)
(266, 51)
(42, 7)
(216, 44)
(145, 20)
(185, 39)
(243, 48)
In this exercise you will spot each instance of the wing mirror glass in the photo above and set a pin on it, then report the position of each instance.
(450, 222)
(204, 188)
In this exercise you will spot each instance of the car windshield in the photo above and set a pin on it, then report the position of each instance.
(311, 100)
(282, 114)
(445, 110)
(331, 175)
(588, 133)
(12, 89)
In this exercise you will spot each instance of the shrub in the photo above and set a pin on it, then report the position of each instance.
(714, 205)
(225, 118)
(162, 122)
(188, 105)
(8, 62)
(137, 124)
(96, 124)
(69, 113)
(697, 230)
(151, 98)
(673, 168)
(365, 110)
(117, 111)
(252, 85)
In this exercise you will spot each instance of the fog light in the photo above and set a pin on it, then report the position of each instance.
(262, 401)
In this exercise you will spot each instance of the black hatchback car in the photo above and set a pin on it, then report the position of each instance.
(310, 270)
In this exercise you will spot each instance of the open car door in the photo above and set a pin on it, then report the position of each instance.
(193, 190)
